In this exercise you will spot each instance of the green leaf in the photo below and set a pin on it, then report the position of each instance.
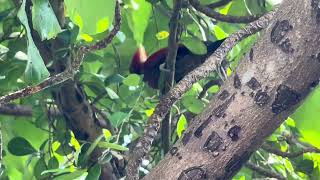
(138, 14)
(305, 166)
(195, 45)
(117, 118)
(4, 14)
(36, 70)
(307, 118)
(39, 168)
(81, 158)
(111, 93)
(53, 163)
(107, 134)
(128, 94)
(64, 149)
(56, 171)
(94, 16)
(70, 176)
(193, 104)
(255, 7)
(93, 146)
(3, 49)
(94, 172)
(106, 158)
(132, 80)
(181, 125)
(19, 146)
(214, 89)
(116, 78)
(44, 20)
(112, 146)
(206, 2)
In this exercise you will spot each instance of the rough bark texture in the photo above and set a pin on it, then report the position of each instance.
(144, 143)
(173, 46)
(20, 110)
(73, 103)
(70, 98)
(270, 82)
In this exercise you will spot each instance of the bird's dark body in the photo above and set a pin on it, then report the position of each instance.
(186, 61)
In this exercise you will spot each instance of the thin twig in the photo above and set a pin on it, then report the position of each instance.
(21, 110)
(218, 4)
(295, 154)
(144, 144)
(221, 17)
(264, 172)
(71, 71)
(102, 119)
(208, 85)
(173, 45)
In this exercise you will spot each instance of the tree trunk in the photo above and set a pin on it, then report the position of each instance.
(268, 85)
(70, 97)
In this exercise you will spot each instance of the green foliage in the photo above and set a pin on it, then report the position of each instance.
(39, 168)
(132, 80)
(93, 16)
(118, 118)
(307, 118)
(20, 147)
(137, 15)
(36, 70)
(195, 45)
(94, 172)
(181, 125)
(113, 146)
(44, 147)
(70, 176)
(44, 19)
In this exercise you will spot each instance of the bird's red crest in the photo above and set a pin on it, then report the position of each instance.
(138, 60)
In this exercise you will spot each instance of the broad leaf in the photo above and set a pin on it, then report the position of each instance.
(94, 172)
(36, 70)
(53, 163)
(39, 168)
(19, 146)
(193, 104)
(181, 125)
(307, 118)
(138, 14)
(70, 176)
(112, 146)
(132, 80)
(111, 93)
(117, 118)
(94, 16)
(44, 20)
(195, 45)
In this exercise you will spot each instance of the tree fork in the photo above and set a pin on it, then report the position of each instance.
(267, 86)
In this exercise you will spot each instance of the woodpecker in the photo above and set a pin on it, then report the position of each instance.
(186, 61)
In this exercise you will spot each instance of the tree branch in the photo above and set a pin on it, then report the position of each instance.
(218, 4)
(278, 152)
(225, 18)
(169, 76)
(268, 85)
(144, 144)
(71, 71)
(264, 172)
(20, 110)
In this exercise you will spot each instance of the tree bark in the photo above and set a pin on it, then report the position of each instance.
(268, 85)
(70, 97)
(20, 110)
(73, 103)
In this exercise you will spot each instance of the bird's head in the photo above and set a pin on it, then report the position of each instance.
(138, 60)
